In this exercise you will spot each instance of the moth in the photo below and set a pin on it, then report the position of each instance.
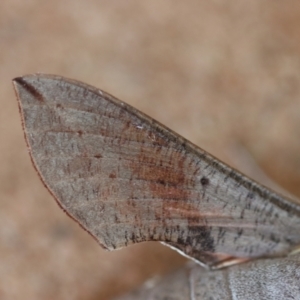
(126, 178)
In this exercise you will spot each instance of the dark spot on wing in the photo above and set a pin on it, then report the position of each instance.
(112, 175)
(202, 236)
(274, 238)
(239, 234)
(204, 181)
(198, 243)
(250, 195)
(58, 105)
(161, 181)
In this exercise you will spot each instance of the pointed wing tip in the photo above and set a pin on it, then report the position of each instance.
(17, 82)
(17, 79)
(27, 87)
(25, 79)
(21, 82)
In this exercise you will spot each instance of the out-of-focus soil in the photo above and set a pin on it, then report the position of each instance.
(223, 74)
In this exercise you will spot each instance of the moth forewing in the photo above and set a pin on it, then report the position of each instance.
(126, 178)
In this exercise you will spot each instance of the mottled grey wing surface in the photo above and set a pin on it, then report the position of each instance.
(125, 178)
(267, 279)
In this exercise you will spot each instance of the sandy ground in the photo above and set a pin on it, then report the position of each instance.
(223, 74)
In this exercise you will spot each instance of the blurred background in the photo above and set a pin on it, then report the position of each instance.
(225, 75)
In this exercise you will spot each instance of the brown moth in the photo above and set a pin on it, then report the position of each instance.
(125, 178)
